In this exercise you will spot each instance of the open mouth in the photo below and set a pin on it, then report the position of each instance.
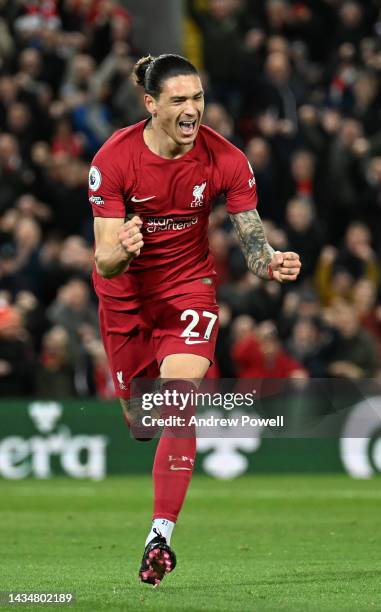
(188, 128)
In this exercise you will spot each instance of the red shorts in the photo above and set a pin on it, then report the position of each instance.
(137, 340)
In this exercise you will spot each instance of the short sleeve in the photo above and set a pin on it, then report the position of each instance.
(106, 188)
(240, 186)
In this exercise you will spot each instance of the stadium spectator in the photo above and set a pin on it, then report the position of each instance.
(242, 329)
(366, 102)
(62, 185)
(218, 119)
(111, 23)
(222, 26)
(98, 374)
(113, 81)
(341, 176)
(19, 123)
(16, 356)
(351, 26)
(357, 255)
(20, 254)
(370, 198)
(337, 270)
(245, 295)
(303, 233)
(278, 97)
(354, 353)
(88, 112)
(33, 317)
(15, 175)
(367, 310)
(52, 60)
(306, 113)
(6, 43)
(260, 355)
(29, 206)
(302, 180)
(62, 260)
(304, 303)
(267, 176)
(55, 372)
(219, 246)
(71, 310)
(308, 347)
(65, 140)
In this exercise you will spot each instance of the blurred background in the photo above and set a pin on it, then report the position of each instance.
(296, 85)
(293, 83)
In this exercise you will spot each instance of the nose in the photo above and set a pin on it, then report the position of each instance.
(190, 108)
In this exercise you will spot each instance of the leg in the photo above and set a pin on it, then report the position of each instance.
(128, 412)
(176, 451)
(184, 366)
(173, 467)
(185, 342)
(132, 414)
(129, 349)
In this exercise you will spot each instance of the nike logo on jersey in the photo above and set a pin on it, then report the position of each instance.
(189, 341)
(135, 199)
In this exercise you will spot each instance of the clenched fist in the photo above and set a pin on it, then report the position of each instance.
(131, 238)
(285, 266)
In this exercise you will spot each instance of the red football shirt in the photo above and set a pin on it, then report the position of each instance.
(173, 198)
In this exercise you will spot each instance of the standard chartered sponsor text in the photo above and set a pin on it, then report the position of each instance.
(160, 224)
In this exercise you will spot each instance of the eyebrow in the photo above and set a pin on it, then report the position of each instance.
(183, 98)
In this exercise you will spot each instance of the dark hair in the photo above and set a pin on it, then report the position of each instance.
(150, 72)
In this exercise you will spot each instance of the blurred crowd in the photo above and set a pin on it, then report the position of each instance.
(295, 84)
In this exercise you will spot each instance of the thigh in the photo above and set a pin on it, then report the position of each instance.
(186, 325)
(129, 347)
(184, 365)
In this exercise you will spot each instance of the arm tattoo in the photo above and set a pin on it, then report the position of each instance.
(258, 253)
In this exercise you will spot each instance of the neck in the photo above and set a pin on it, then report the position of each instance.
(161, 144)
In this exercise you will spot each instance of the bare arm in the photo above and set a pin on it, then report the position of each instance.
(116, 244)
(261, 258)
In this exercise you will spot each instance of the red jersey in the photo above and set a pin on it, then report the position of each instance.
(173, 198)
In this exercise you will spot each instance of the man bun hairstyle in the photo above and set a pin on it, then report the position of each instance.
(151, 72)
(141, 68)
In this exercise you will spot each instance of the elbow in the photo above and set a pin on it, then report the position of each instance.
(108, 269)
(101, 272)
(101, 269)
(104, 273)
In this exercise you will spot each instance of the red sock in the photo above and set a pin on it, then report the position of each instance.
(174, 461)
(172, 473)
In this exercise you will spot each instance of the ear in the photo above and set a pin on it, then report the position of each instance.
(150, 104)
